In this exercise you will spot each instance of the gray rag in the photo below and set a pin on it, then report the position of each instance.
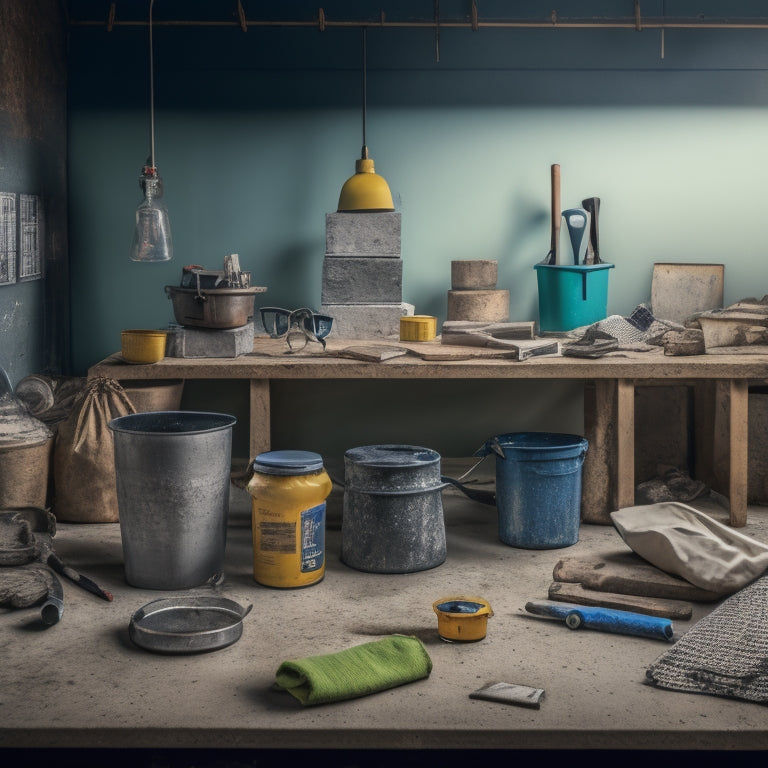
(725, 653)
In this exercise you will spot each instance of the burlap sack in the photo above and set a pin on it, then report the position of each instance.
(84, 455)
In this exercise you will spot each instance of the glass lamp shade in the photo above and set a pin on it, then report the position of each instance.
(366, 190)
(152, 233)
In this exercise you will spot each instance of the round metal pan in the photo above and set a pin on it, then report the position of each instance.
(181, 625)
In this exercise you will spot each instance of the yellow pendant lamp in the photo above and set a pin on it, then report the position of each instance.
(366, 190)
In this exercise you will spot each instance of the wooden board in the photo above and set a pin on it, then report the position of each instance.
(373, 353)
(521, 349)
(650, 606)
(629, 574)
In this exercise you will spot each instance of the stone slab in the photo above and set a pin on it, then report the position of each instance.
(363, 234)
(366, 321)
(209, 342)
(353, 280)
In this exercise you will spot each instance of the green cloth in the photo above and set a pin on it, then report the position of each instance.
(357, 671)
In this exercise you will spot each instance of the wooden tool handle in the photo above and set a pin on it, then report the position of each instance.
(556, 213)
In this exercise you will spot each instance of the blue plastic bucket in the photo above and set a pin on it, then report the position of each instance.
(538, 487)
(571, 295)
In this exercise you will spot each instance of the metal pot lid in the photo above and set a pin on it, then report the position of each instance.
(392, 456)
(182, 625)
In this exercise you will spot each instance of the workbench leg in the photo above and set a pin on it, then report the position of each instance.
(260, 417)
(739, 451)
(598, 474)
(625, 443)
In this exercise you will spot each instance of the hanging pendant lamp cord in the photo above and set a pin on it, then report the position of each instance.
(365, 99)
(151, 90)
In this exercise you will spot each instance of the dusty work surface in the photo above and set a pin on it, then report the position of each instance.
(82, 683)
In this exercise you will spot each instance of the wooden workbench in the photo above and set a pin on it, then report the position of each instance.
(720, 381)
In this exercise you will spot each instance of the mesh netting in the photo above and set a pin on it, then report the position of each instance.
(725, 653)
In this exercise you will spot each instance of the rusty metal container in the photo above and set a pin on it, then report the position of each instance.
(215, 307)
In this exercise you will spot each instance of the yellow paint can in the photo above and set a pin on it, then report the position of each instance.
(288, 491)
(418, 327)
(462, 619)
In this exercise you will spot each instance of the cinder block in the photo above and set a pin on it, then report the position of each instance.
(363, 234)
(366, 321)
(209, 342)
(371, 280)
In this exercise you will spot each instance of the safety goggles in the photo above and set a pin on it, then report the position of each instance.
(297, 326)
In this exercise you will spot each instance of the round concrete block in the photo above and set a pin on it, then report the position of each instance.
(479, 306)
(475, 274)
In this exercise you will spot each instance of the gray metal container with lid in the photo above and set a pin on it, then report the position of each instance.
(392, 518)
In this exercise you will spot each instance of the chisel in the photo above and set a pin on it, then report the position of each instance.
(592, 206)
(603, 619)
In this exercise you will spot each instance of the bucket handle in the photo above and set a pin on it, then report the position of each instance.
(407, 492)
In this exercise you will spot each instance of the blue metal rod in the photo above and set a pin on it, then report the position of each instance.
(603, 619)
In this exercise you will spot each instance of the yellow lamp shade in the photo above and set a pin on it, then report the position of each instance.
(366, 190)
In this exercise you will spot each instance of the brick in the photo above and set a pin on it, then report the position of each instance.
(352, 280)
(366, 321)
(363, 234)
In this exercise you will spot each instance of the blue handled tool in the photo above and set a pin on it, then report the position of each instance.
(603, 619)
(577, 221)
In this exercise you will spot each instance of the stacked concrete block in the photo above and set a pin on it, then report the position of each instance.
(474, 296)
(362, 285)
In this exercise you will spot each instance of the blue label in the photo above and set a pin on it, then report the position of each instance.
(313, 538)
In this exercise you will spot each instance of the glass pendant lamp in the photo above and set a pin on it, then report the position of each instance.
(366, 190)
(152, 232)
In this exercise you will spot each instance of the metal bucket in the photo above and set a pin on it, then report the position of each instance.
(172, 470)
(392, 517)
(538, 487)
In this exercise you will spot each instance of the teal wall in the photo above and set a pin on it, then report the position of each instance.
(257, 131)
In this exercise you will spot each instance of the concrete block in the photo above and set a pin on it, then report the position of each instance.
(366, 321)
(209, 342)
(371, 280)
(491, 306)
(363, 234)
(477, 274)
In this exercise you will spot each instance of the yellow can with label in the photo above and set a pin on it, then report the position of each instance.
(288, 491)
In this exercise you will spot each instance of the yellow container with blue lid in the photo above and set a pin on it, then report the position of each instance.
(288, 491)
(461, 618)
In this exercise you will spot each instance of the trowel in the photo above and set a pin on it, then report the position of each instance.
(577, 221)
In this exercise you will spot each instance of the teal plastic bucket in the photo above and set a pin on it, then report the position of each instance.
(538, 487)
(571, 295)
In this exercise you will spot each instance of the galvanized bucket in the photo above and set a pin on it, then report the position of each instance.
(392, 517)
(172, 470)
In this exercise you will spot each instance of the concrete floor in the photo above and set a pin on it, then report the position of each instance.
(82, 686)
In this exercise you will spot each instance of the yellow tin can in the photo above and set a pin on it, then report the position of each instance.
(418, 328)
(288, 490)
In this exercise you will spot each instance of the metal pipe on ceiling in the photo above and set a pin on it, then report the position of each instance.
(474, 23)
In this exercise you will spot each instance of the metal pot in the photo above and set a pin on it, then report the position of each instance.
(392, 519)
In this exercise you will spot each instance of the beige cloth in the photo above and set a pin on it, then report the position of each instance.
(683, 541)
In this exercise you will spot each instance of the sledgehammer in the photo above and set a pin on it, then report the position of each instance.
(603, 619)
